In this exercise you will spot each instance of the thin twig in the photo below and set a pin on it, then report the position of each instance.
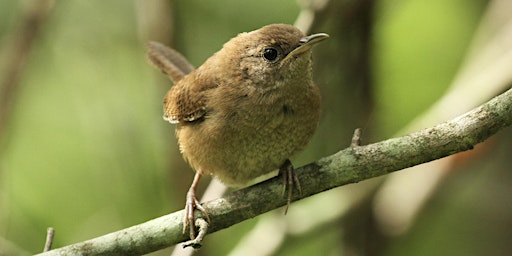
(356, 138)
(50, 232)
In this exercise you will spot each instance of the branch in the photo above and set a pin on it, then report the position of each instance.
(350, 165)
(50, 232)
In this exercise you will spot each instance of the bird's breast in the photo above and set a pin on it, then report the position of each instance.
(247, 137)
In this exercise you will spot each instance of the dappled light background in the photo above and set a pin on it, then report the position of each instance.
(84, 148)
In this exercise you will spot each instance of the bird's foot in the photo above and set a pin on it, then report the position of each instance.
(188, 218)
(290, 181)
(195, 243)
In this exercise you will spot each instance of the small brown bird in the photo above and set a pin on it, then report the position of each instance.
(246, 110)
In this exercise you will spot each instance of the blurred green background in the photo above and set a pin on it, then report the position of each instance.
(85, 149)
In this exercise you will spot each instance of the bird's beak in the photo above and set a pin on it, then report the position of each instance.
(306, 43)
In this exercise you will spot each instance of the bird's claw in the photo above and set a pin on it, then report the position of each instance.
(195, 243)
(290, 181)
(188, 218)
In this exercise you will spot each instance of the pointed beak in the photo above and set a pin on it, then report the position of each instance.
(306, 43)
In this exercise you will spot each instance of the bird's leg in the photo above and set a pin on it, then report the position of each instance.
(290, 180)
(191, 204)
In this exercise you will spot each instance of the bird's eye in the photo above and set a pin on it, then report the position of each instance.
(270, 54)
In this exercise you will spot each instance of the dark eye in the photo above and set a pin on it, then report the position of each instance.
(270, 54)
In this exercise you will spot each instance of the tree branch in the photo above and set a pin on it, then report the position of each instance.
(350, 165)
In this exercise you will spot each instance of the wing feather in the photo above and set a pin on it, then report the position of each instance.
(187, 100)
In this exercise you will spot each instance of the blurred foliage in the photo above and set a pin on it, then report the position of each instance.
(419, 47)
(87, 152)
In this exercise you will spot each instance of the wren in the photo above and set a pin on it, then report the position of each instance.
(246, 110)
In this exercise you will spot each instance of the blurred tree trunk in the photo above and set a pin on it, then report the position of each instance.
(343, 72)
(345, 76)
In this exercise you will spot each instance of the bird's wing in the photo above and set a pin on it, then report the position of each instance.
(187, 100)
(169, 61)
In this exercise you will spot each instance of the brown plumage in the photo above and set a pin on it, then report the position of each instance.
(246, 110)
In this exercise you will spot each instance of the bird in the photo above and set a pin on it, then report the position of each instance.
(245, 111)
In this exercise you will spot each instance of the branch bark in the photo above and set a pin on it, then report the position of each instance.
(350, 165)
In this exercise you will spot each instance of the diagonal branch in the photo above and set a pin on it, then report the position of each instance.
(350, 165)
